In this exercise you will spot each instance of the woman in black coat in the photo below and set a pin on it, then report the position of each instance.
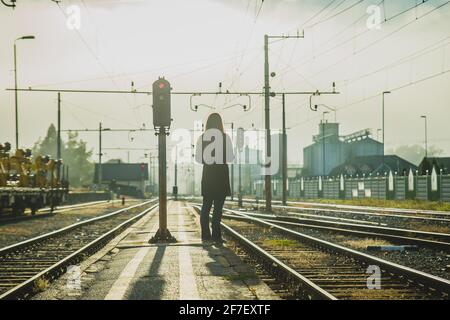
(214, 150)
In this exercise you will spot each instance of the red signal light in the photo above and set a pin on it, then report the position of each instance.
(161, 85)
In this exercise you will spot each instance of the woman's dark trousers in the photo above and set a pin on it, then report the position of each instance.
(216, 234)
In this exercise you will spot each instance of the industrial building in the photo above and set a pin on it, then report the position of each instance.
(331, 150)
(123, 178)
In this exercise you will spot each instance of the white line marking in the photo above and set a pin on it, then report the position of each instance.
(188, 286)
(119, 288)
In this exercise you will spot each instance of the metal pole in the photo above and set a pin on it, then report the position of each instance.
(240, 181)
(15, 96)
(58, 142)
(232, 165)
(268, 181)
(284, 162)
(323, 144)
(193, 169)
(100, 155)
(163, 234)
(383, 120)
(176, 172)
(162, 182)
(382, 125)
(426, 135)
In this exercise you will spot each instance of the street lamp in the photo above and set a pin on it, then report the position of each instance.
(15, 86)
(426, 135)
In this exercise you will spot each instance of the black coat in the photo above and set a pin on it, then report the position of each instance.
(215, 176)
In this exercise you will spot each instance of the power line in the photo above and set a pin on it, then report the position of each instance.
(362, 33)
(412, 83)
(413, 56)
(259, 10)
(378, 40)
(96, 58)
(336, 14)
(332, 37)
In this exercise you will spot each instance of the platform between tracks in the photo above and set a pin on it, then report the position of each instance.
(130, 268)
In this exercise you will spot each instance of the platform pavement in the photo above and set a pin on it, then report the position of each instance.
(130, 268)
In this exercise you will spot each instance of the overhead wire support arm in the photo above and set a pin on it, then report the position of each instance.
(192, 93)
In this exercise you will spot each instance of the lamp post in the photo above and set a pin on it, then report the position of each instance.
(426, 135)
(15, 87)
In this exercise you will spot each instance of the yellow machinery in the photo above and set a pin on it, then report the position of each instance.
(20, 165)
(40, 171)
(4, 163)
(29, 184)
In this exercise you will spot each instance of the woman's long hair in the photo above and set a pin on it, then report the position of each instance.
(214, 122)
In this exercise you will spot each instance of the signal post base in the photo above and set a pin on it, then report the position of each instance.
(163, 236)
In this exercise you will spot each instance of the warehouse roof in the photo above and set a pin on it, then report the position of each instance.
(374, 165)
(439, 163)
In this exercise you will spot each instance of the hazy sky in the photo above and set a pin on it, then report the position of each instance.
(197, 44)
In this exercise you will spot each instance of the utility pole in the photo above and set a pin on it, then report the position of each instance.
(284, 154)
(58, 142)
(175, 188)
(239, 147)
(383, 121)
(232, 165)
(193, 169)
(267, 178)
(323, 143)
(16, 98)
(267, 94)
(100, 155)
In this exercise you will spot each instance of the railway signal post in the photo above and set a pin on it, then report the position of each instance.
(161, 122)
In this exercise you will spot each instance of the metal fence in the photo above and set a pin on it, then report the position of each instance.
(432, 187)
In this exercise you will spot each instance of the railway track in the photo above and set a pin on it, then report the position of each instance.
(46, 212)
(44, 258)
(423, 215)
(361, 228)
(312, 268)
(434, 240)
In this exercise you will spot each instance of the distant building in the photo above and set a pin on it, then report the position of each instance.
(439, 163)
(330, 150)
(127, 178)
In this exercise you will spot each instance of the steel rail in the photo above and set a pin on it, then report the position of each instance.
(316, 291)
(366, 208)
(46, 212)
(58, 268)
(442, 238)
(19, 245)
(430, 217)
(431, 281)
(418, 241)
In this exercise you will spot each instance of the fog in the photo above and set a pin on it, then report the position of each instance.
(198, 44)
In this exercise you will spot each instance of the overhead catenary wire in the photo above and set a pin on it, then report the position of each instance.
(340, 61)
(412, 83)
(366, 30)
